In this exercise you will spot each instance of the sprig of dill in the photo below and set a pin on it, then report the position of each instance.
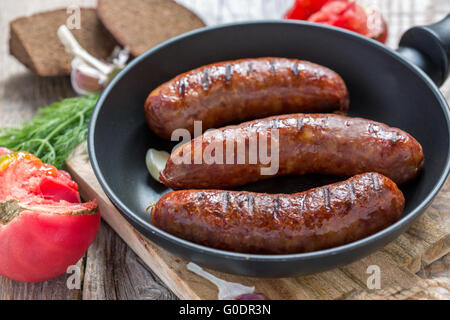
(54, 131)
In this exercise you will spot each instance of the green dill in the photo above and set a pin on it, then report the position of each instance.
(54, 131)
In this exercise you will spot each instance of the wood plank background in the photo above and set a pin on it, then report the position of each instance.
(110, 269)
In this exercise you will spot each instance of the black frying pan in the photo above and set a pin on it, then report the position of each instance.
(384, 85)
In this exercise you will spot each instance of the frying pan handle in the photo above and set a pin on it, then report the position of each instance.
(428, 47)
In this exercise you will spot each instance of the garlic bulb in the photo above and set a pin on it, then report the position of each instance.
(156, 162)
(90, 74)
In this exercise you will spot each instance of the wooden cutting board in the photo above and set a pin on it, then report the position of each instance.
(426, 241)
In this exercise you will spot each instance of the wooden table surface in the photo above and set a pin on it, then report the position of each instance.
(110, 270)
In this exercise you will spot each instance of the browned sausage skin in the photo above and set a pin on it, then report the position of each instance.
(248, 222)
(308, 143)
(234, 91)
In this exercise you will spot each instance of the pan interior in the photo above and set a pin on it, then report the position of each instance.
(381, 87)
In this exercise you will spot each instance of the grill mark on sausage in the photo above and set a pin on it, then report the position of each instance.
(373, 130)
(228, 74)
(250, 68)
(375, 182)
(199, 197)
(326, 197)
(351, 191)
(395, 137)
(273, 67)
(276, 207)
(205, 80)
(182, 87)
(294, 68)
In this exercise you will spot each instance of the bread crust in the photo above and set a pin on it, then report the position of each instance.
(142, 24)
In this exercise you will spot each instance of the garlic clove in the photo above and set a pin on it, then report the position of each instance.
(156, 162)
(90, 74)
(86, 79)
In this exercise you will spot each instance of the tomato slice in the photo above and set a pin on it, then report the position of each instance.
(303, 9)
(347, 15)
(341, 13)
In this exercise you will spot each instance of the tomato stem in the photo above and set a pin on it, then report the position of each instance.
(9, 210)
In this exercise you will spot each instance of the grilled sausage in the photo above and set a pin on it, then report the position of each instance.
(307, 143)
(249, 222)
(234, 91)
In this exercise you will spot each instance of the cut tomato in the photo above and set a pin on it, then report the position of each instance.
(303, 9)
(341, 13)
(55, 190)
(347, 15)
(43, 227)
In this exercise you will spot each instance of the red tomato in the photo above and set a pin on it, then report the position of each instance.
(341, 13)
(43, 227)
(303, 9)
(377, 26)
(56, 190)
(347, 15)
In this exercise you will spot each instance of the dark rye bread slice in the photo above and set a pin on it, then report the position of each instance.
(34, 42)
(142, 24)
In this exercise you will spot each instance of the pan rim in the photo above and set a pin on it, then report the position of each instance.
(237, 256)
